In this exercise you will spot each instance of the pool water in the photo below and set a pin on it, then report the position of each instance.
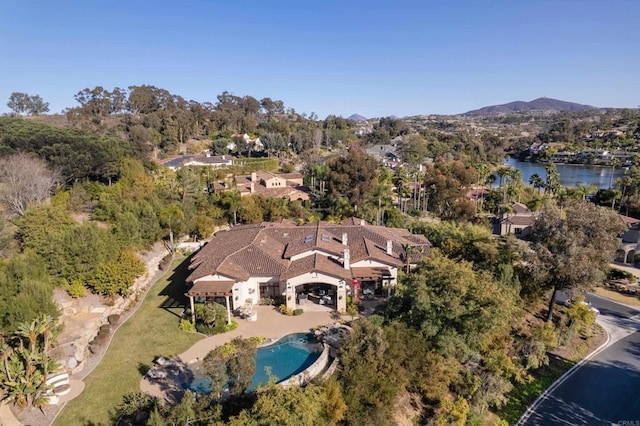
(288, 356)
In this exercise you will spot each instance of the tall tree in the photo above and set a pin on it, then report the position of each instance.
(25, 181)
(571, 250)
(22, 103)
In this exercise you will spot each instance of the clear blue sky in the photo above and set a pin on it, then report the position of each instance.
(330, 57)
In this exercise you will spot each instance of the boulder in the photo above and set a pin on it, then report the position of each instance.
(71, 363)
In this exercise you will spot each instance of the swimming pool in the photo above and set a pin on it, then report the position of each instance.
(290, 355)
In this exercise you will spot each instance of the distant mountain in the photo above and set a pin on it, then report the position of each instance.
(540, 104)
(357, 117)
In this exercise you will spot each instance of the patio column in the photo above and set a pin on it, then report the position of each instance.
(228, 310)
(290, 296)
(193, 311)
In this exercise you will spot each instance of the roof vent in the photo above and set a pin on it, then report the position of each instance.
(325, 238)
(308, 239)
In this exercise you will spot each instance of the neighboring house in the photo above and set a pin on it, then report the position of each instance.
(517, 222)
(270, 185)
(386, 154)
(314, 263)
(630, 244)
(198, 160)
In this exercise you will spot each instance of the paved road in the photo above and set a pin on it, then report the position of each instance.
(606, 389)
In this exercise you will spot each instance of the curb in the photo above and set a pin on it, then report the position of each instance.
(523, 419)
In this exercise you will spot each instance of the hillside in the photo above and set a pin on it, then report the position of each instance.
(357, 117)
(540, 104)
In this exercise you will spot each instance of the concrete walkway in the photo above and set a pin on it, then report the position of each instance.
(270, 324)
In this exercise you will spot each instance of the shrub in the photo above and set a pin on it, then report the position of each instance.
(76, 289)
(284, 310)
(113, 319)
(185, 325)
(165, 263)
(266, 301)
(617, 274)
(298, 312)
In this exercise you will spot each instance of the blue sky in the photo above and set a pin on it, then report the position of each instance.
(330, 57)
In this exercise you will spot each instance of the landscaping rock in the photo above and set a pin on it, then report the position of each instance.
(72, 363)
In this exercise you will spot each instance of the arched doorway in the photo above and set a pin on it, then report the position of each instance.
(630, 256)
(316, 294)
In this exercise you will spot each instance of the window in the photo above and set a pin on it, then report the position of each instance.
(270, 290)
(517, 231)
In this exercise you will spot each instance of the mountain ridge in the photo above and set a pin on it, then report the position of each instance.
(539, 104)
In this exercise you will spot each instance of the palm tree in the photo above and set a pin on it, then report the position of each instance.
(613, 163)
(536, 181)
(584, 190)
(515, 183)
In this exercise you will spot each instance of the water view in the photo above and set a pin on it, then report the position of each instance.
(570, 175)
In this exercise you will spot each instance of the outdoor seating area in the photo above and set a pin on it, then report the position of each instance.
(59, 386)
(246, 311)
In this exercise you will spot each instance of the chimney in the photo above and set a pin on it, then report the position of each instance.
(346, 258)
(254, 176)
(253, 188)
(345, 240)
(389, 247)
(362, 222)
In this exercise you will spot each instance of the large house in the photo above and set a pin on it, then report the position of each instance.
(270, 185)
(198, 160)
(314, 263)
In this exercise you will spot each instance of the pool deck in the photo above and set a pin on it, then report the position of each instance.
(270, 324)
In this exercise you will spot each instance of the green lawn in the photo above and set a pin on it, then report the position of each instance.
(523, 395)
(151, 332)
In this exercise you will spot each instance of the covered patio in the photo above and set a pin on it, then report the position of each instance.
(370, 279)
(211, 289)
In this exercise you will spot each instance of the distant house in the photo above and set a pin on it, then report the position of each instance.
(517, 222)
(386, 153)
(270, 185)
(198, 160)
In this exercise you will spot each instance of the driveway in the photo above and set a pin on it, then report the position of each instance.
(603, 390)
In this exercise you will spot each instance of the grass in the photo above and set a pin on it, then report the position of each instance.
(617, 297)
(523, 395)
(151, 332)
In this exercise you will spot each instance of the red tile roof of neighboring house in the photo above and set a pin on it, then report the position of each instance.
(520, 220)
(627, 220)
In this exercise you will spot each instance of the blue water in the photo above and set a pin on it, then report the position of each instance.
(290, 355)
(570, 174)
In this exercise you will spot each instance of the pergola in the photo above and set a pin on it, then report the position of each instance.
(211, 289)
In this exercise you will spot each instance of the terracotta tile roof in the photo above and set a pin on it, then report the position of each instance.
(520, 220)
(316, 263)
(369, 273)
(627, 220)
(266, 249)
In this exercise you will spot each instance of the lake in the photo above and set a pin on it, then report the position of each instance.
(570, 174)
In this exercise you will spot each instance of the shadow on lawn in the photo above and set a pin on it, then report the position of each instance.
(175, 289)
